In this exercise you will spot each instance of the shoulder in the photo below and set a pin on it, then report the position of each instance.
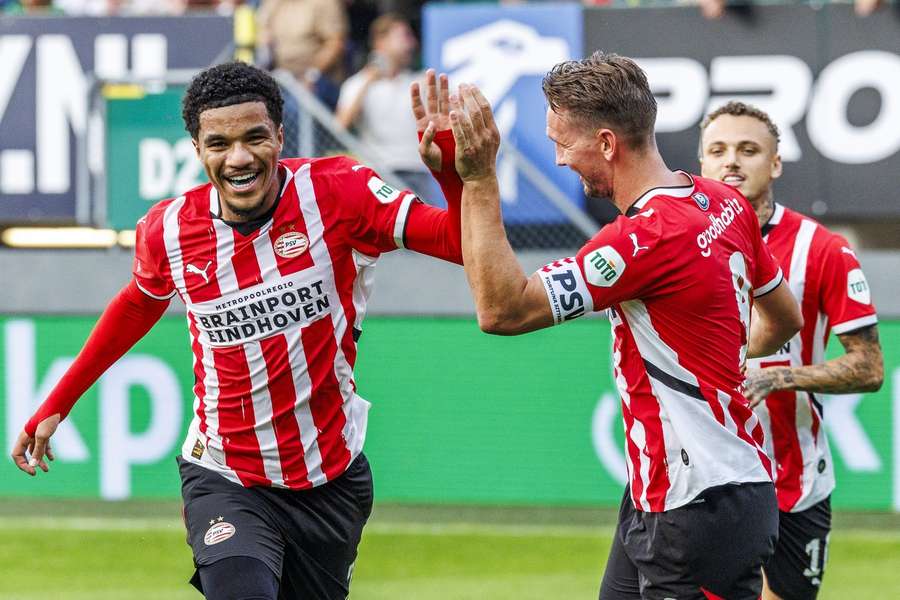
(331, 165)
(822, 238)
(718, 192)
(194, 203)
(715, 188)
(647, 220)
(153, 219)
(294, 164)
(349, 179)
(323, 167)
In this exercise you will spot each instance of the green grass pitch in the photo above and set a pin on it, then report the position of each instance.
(137, 551)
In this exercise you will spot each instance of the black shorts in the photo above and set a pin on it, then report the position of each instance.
(796, 569)
(716, 544)
(308, 538)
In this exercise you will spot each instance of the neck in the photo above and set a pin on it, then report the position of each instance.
(640, 173)
(764, 207)
(232, 216)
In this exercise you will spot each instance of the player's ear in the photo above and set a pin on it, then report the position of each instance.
(280, 137)
(607, 143)
(776, 166)
(196, 146)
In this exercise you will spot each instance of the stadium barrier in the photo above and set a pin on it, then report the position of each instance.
(456, 417)
(147, 156)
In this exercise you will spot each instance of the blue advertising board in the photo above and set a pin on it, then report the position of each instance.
(506, 51)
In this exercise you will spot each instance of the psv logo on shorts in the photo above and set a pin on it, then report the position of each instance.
(291, 244)
(218, 532)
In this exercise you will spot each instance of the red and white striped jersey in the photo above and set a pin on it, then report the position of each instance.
(825, 277)
(274, 316)
(678, 273)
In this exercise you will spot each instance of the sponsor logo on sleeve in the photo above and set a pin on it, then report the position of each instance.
(858, 287)
(383, 191)
(291, 244)
(603, 266)
(566, 290)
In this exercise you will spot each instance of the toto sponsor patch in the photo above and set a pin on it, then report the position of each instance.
(603, 266)
(858, 287)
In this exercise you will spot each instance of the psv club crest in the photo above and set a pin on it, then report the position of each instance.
(702, 200)
(291, 244)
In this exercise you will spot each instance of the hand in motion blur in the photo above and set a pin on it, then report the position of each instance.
(38, 447)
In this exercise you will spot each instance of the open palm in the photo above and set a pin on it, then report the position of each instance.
(431, 115)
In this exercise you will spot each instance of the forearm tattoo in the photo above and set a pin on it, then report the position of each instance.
(860, 369)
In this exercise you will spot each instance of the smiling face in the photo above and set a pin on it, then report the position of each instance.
(239, 147)
(740, 151)
(579, 148)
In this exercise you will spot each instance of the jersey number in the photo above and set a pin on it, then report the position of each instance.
(741, 284)
(817, 550)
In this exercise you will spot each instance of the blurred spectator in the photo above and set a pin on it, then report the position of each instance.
(360, 13)
(31, 8)
(714, 9)
(374, 102)
(306, 38)
(864, 8)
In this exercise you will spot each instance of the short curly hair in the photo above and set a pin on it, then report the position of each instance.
(736, 108)
(228, 84)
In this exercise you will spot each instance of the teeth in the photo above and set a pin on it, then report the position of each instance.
(243, 179)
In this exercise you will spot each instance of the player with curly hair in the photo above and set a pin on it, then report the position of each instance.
(273, 260)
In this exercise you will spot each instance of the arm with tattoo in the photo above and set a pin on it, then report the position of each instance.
(860, 369)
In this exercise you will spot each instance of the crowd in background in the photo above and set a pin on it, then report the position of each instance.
(357, 56)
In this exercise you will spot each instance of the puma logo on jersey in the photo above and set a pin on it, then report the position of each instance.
(197, 271)
(637, 246)
(847, 250)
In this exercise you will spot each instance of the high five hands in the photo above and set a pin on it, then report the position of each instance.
(431, 116)
(468, 114)
(476, 134)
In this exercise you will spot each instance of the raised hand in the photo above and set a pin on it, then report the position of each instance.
(431, 116)
(38, 446)
(476, 134)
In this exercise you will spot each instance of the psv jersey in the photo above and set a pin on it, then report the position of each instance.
(274, 316)
(678, 273)
(825, 277)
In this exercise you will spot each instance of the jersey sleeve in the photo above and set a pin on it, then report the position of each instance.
(845, 296)
(624, 261)
(767, 274)
(376, 211)
(147, 268)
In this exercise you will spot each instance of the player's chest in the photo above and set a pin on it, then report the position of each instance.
(218, 263)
